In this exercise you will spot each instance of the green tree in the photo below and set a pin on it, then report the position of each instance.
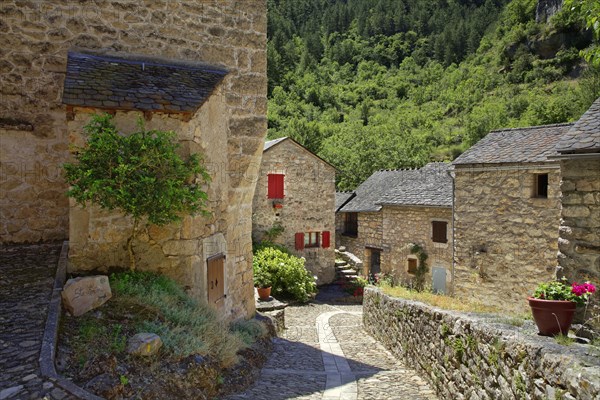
(588, 11)
(140, 174)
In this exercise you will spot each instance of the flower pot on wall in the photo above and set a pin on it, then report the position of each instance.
(264, 293)
(552, 317)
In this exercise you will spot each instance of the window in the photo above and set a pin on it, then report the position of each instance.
(541, 186)
(439, 231)
(311, 239)
(275, 186)
(412, 265)
(351, 224)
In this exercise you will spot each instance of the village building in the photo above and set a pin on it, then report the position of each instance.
(506, 215)
(294, 205)
(394, 210)
(579, 231)
(195, 67)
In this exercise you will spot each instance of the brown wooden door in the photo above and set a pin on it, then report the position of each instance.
(216, 279)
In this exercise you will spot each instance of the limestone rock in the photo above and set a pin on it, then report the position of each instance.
(144, 344)
(85, 293)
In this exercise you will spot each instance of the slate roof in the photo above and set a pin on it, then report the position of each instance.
(341, 198)
(423, 187)
(431, 186)
(520, 145)
(584, 136)
(273, 142)
(138, 83)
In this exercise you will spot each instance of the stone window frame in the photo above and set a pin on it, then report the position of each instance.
(536, 193)
(439, 244)
(408, 264)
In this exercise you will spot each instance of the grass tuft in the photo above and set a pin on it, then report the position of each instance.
(185, 325)
(438, 300)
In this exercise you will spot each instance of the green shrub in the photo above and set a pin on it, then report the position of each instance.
(140, 174)
(288, 275)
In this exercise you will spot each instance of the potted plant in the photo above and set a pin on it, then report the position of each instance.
(553, 305)
(263, 282)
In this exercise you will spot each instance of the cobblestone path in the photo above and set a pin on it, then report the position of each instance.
(325, 354)
(26, 279)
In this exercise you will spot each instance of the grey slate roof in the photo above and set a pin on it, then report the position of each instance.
(520, 145)
(584, 136)
(431, 186)
(341, 198)
(424, 187)
(138, 83)
(273, 142)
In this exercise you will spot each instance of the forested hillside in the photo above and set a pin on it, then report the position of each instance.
(382, 84)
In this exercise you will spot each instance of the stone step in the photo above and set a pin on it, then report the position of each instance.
(340, 263)
(348, 271)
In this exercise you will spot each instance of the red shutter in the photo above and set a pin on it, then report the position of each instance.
(299, 241)
(325, 239)
(275, 186)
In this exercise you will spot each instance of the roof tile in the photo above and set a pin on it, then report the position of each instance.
(138, 82)
(584, 136)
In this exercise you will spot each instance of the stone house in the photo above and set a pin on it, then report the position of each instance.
(195, 67)
(506, 215)
(295, 194)
(579, 231)
(393, 210)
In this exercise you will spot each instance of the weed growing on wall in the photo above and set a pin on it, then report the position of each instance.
(139, 174)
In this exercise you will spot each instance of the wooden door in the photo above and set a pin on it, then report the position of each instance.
(216, 279)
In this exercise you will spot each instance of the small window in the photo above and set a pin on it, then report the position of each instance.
(541, 186)
(351, 224)
(311, 239)
(412, 265)
(439, 231)
(275, 186)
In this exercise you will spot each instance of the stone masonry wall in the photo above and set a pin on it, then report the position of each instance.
(36, 37)
(579, 241)
(505, 241)
(370, 234)
(405, 225)
(470, 356)
(228, 130)
(308, 206)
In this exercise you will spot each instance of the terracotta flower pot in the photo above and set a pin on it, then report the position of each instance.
(264, 293)
(552, 317)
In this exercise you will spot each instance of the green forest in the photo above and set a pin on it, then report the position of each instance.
(387, 84)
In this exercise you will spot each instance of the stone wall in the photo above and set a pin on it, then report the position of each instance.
(308, 206)
(225, 33)
(403, 226)
(505, 240)
(470, 356)
(579, 241)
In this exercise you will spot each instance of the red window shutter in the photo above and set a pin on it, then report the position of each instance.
(325, 239)
(299, 241)
(275, 186)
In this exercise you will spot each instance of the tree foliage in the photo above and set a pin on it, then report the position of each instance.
(140, 174)
(383, 84)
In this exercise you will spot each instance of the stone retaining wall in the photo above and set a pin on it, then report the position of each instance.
(475, 356)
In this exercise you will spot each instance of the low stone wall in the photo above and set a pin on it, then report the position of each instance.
(475, 356)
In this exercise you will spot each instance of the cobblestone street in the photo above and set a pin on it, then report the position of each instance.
(325, 354)
(26, 279)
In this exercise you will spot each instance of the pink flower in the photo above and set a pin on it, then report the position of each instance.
(577, 289)
(589, 287)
